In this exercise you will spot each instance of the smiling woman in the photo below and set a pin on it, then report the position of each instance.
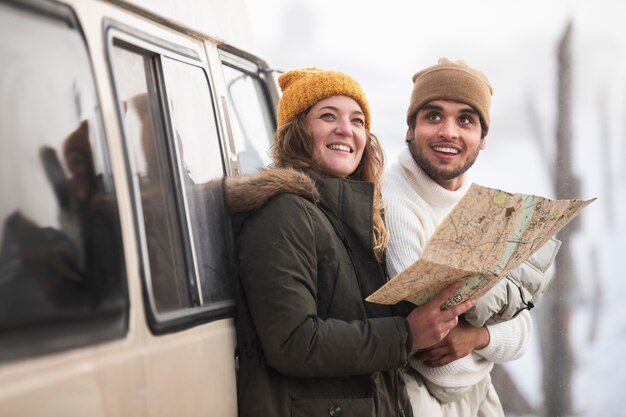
(303, 279)
(338, 134)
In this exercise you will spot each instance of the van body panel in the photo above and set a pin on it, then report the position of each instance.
(221, 20)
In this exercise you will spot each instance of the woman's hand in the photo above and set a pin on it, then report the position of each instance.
(429, 324)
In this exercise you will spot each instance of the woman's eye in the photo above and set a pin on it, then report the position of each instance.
(328, 116)
(359, 121)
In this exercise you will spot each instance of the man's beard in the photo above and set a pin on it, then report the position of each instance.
(441, 174)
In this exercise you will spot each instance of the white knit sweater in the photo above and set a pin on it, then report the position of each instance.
(414, 207)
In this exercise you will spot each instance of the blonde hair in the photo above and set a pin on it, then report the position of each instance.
(293, 147)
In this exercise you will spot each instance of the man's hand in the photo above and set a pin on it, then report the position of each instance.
(460, 342)
(429, 324)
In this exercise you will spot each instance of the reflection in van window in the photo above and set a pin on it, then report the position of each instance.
(200, 157)
(178, 176)
(166, 270)
(252, 124)
(60, 247)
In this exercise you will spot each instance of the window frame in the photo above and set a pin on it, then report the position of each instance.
(249, 65)
(118, 34)
(238, 61)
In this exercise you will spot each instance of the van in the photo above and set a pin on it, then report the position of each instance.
(118, 122)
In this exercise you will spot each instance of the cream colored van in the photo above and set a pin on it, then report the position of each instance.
(118, 123)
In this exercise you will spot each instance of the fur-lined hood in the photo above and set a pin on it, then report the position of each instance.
(250, 192)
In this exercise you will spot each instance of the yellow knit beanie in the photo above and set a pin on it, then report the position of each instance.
(451, 80)
(302, 88)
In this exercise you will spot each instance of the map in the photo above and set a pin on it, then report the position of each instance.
(487, 235)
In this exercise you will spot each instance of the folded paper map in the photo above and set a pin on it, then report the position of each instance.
(487, 235)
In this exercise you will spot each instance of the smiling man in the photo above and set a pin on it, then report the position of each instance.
(448, 120)
(444, 140)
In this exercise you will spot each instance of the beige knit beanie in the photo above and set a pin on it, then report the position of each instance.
(302, 88)
(451, 80)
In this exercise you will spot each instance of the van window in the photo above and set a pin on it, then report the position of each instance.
(152, 173)
(200, 157)
(176, 163)
(252, 119)
(62, 281)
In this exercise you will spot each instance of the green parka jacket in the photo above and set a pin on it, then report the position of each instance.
(309, 345)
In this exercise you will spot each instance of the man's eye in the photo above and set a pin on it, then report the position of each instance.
(433, 116)
(465, 120)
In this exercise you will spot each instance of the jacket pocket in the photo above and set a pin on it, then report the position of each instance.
(333, 407)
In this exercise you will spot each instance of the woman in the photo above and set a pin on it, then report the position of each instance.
(309, 238)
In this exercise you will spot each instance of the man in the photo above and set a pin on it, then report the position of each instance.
(448, 121)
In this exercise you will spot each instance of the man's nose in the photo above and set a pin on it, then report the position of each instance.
(449, 129)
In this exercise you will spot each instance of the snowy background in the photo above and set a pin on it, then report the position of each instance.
(382, 44)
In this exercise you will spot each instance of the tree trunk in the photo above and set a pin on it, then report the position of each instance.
(557, 352)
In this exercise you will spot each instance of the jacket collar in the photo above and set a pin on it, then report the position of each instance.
(350, 203)
(245, 193)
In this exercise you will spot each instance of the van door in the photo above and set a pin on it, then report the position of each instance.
(176, 168)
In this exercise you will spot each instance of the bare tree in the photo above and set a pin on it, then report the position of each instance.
(558, 356)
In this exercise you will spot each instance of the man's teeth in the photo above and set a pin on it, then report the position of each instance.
(446, 150)
(340, 148)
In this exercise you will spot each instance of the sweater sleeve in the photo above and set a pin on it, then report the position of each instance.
(509, 339)
(278, 269)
